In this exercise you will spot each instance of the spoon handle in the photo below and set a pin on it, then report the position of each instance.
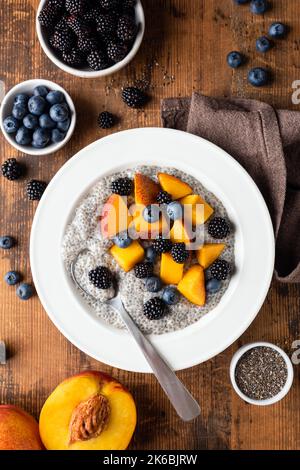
(183, 402)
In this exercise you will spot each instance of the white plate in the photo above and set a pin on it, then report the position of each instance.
(220, 173)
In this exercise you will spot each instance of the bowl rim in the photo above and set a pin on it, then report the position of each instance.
(29, 150)
(290, 371)
(93, 73)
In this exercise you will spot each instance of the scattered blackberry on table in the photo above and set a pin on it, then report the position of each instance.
(62, 40)
(11, 169)
(109, 4)
(154, 309)
(76, 7)
(126, 29)
(179, 253)
(219, 270)
(106, 24)
(101, 277)
(122, 186)
(48, 15)
(143, 270)
(117, 51)
(73, 57)
(97, 60)
(87, 44)
(163, 197)
(218, 228)
(134, 97)
(162, 245)
(106, 120)
(35, 189)
(7, 242)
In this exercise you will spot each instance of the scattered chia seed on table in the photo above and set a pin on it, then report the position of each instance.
(261, 373)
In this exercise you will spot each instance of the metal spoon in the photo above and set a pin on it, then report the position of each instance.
(183, 402)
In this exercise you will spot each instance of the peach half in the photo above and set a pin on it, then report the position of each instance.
(89, 411)
(18, 430)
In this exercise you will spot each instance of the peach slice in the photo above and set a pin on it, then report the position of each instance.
(128, 257)
(180, 233)
(144, 229)
(209, 253)
(192, 285)
(115, 217)
(18, 430)
(145, 190)
(174, 186)
(170, 271)
(90, 411)
(199, 215)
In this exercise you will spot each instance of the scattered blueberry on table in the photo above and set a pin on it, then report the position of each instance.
(12, 278)
(25, 291)
(241, 2)
(7, 242)
(234, 59)
(39, 120)
(278, 30)
(263, 44)
(259, 7)
(258, 76)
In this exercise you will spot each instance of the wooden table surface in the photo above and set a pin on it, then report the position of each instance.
(184, 49)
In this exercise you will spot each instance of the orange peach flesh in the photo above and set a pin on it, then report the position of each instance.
(18, 430)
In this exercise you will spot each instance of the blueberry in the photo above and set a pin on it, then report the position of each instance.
(25, 291)
(31, 122)
(21, 98)
(64, 125)
(46, 122)
(259, 7)
(153, 284)
(23, 136)
(59, 112)
(40, 138)
(234, 59)
(171, 295)
(213, 286)
(258, 76)
(41, 90)
(19, 111)
(277, 30)
(263, 44)
(12, 278)
(57, 136)
(7, 242)
(55, 97)
(36, 105)
(11, 124)
(241, 2)
(151, 214)
(122, 240)
(174, 210)
(150, 254)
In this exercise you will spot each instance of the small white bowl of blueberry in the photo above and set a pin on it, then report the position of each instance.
(37, 117)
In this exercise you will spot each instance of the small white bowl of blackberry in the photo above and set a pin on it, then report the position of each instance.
(90, 38)
(37, 117)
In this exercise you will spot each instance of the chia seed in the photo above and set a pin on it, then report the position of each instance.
(261, 373)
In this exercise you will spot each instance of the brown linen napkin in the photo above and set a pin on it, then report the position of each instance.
(266, 142)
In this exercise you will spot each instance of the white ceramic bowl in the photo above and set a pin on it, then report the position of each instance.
(270, 401)
(87, 72)
(28, 87)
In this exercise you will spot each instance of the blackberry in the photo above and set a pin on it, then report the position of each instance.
(128, 3)
(163, 197)
(106, 120)
(122, 186)
(35, 189)
(76, 7)
(218, 228)
(56, 3)
(48, 15)
(162, 245)
(87, 44)
(109, 4)
(134, 97)
(97, 60)
(117, 51)
(143, 270)
(90, 17)
(11, 169)
(101, 277)
(219, 270)
(62, 24)
(154, 309)
(77, 25)
(126, 29)
(74, 57)
(179, 253)
(106, 24)
(62, 40)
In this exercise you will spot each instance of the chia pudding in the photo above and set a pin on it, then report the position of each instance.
(83, 232)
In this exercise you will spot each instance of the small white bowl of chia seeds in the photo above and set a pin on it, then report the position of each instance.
(261, 373)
